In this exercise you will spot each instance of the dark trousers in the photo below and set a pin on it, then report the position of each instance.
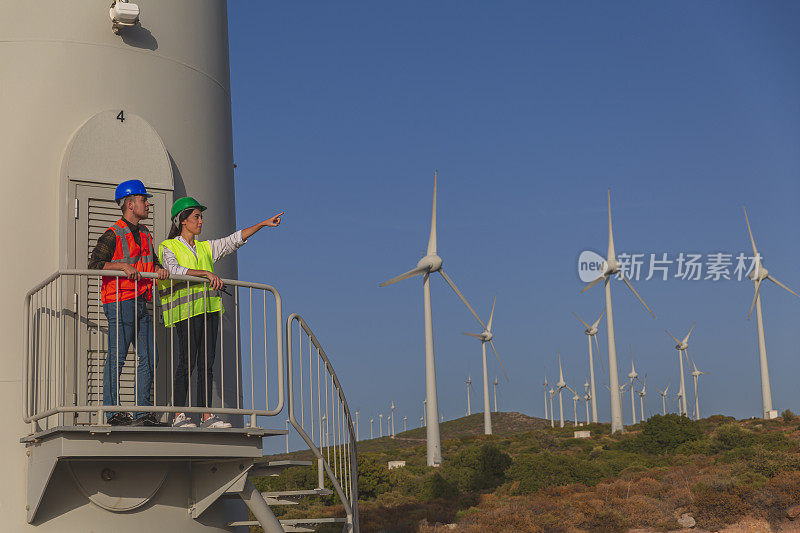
(196, 350)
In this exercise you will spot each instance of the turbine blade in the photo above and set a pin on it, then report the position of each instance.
(596, 322)
(686, 338)
(779, 284)
(432, 238)
(593, 283)
(498, 360)
(611, 254)
(755, 297)
(673, 337)
(410, 274)
(458, 292)
(598, 353)
(491, 315)
(582, 322)
(752, 240)
(628, 283)
(472, 335)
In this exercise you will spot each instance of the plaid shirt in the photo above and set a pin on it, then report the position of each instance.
(107, 243)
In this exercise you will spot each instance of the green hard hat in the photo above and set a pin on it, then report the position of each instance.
(185, 203)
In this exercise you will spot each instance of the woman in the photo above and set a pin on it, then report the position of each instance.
(192, 310)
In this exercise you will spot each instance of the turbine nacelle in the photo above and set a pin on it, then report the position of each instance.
(759, 272)
(610, 267)
(431, 263)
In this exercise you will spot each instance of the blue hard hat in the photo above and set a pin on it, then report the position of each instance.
(127, 188)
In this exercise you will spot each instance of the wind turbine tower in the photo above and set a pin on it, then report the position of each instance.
(552, 417)
(468, 381)
(612, 267)
(591, 333)
(758, 274)
(426, 266)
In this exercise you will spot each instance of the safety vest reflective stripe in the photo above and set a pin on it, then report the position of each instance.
(178, 301)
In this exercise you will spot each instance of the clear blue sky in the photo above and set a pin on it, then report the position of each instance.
(530, 111)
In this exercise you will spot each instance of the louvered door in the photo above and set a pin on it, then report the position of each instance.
(96, 211)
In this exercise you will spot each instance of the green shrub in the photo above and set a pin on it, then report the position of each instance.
(662, 434)
(373, 477)
(730, 436)
(788, 415)
(544, 470)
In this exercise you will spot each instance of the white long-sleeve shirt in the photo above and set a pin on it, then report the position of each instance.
(219, 249)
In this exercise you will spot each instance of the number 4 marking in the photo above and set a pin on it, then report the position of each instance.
(121, 116)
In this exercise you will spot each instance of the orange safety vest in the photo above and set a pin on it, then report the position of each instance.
(140, 257)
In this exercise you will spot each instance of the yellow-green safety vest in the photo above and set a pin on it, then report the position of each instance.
(178, 303)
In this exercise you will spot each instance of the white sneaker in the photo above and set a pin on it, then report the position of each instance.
(183, 421)
(214, 422)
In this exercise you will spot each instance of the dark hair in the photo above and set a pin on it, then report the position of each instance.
(174, 230)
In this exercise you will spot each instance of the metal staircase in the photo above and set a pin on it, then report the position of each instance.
(319, 413)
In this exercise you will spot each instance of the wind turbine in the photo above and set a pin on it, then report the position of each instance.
(642, 395)
(544, 385)
(484, 337)
(696, 378)
(575, 399)
(679, 397)
(380, 416)
(559, 386)
(371, 434)
(425, 412)
(426, 266)
(586, 397)
(404, 423)
(495, 394)
(468, 381)
(758, 274)
(591, 333)
(610, 267)
(632, 375)
(387, 422)
(421, 422)
(663, 394)
(552, 419)
(682, 347)
(356, 426)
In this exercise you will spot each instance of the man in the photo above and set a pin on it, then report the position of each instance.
(127, 246)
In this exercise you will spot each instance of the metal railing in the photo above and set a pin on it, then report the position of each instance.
(64, 350)
(319, 413)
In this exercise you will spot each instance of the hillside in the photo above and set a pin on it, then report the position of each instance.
(529, 477)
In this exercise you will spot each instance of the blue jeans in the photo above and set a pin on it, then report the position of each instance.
(125, 325)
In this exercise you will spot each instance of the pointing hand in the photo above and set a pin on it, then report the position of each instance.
(274, 221)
